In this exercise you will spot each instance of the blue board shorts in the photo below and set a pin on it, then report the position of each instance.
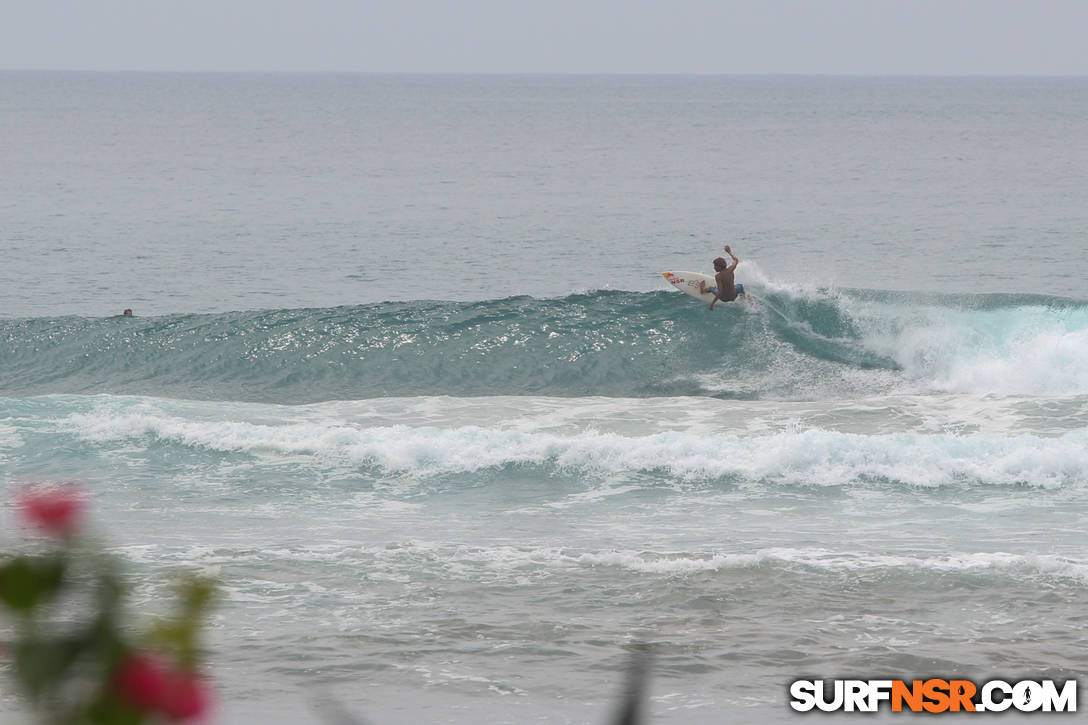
(738, 287)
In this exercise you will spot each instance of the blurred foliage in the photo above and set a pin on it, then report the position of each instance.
(73, 655)
(77, 662)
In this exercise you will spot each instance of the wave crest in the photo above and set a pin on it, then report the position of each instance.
(794, 343)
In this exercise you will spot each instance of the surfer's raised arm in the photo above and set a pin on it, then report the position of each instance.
(735, 260)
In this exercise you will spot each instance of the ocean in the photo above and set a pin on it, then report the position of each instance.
(404, 375)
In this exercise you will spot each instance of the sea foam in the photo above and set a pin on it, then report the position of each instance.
(802, 457)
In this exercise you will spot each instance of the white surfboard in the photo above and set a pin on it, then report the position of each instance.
(689, 282)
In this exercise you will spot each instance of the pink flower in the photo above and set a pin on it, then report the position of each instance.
(55, 510)
(186, 696)
(141, 680)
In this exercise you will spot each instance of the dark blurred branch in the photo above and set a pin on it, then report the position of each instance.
(332, 712)
(630, 712)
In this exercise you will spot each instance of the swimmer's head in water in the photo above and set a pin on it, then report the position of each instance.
(127, 312)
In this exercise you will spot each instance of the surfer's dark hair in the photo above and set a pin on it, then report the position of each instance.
(720, 262)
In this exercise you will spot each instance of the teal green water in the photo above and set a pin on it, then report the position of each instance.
(788, 345)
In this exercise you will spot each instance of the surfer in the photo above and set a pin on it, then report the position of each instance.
(726, 290)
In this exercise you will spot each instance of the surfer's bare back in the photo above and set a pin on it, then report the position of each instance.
(726, 289)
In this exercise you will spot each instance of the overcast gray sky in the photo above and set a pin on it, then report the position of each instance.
(944, 37)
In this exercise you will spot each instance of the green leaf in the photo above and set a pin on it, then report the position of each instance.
(180, 635)
(197, 595)
(109, 711)
(25, 582)
(172, 634)
(18, 585)
(41, 664)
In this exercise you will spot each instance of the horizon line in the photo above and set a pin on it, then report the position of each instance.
(689, 74)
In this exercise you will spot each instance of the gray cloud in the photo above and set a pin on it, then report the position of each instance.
(562, 36)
